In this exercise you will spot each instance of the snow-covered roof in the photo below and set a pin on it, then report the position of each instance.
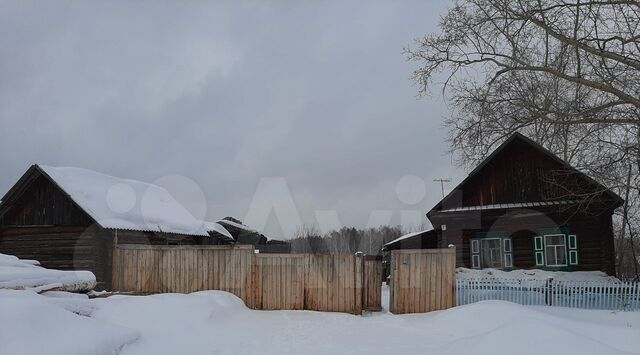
(406, 236)
(116, 203)
(509, 205)
(217, 227)
(237, 225)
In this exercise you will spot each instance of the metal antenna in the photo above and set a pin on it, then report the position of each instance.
(442, 181)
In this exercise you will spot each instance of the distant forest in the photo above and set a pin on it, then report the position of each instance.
(347, 240)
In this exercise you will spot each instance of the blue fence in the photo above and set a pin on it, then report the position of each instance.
(622, 296)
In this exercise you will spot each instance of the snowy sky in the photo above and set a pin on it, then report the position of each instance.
(278, 114)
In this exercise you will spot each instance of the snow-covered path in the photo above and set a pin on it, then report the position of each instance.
(216, 322)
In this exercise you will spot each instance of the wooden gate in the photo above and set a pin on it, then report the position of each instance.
(372, 298)
(278, 281)
(422, 280)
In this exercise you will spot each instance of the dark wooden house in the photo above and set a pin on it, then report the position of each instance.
(523, 207)
(71, 218)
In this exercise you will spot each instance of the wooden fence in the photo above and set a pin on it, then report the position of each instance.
(422, 280)
(610, 295)
(333, 283)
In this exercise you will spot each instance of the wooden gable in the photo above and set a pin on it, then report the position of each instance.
(521, 171)
(36, 200)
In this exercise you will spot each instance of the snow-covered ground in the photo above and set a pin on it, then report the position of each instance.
(216, 322)
(27, 274)
(533, 274)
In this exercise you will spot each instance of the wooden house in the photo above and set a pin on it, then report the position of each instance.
(71, 218)
(523, 207)
(243, 234)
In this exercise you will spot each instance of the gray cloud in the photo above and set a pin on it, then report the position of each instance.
(225, 94)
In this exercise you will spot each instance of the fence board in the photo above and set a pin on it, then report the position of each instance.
(372, 283)
(335, 283)
(608, 295)
(422, 280)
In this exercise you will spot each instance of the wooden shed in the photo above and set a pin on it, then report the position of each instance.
(523, 207)
(71, 218)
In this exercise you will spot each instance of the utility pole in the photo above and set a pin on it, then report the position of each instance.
(442, 181)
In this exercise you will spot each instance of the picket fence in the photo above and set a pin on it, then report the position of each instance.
(621, 296)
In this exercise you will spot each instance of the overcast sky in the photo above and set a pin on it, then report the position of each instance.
(218, 100)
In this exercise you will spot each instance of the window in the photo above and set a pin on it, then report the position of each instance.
(495, 252)
(555, 250)
(491, 253)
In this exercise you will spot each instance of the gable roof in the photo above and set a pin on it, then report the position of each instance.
(115, 203)
(522, 138)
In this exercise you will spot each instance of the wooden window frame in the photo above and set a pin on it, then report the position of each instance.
(566, 254)
(501, 257)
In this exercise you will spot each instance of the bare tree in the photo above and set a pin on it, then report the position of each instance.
(566, 73)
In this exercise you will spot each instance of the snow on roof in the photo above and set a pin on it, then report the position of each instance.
(509, 205)
(406, 236)
(116, 203)
(237, 225)
(217, 227)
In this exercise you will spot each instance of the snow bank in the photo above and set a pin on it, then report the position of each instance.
(495, 327)
(27, 274)
(534, 274)
(32, 325)
(216, 322)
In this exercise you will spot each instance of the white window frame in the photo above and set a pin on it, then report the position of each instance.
(573, 242)
(499, 250)
(566, 254)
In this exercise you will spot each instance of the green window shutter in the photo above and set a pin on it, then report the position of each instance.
(475, 253)
(573, 257)
(573, 249)
(538, 250)
(538, 243)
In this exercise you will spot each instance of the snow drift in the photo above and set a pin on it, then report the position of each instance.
(21, 274)
(33, 325)
(533, 274)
